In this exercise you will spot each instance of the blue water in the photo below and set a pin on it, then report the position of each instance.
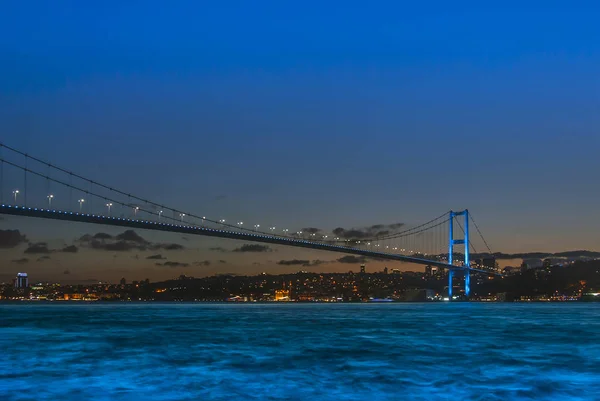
(300, 352)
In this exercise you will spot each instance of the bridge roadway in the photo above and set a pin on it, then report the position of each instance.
(196, 230)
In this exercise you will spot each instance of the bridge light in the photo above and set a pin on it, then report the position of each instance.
(80, 201)
(109, 205)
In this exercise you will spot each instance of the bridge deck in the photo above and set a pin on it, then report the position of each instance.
(196, 230)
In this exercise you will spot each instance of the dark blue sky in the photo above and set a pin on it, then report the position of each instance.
(320, 113)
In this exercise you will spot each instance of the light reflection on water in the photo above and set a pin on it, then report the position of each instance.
(461, 351)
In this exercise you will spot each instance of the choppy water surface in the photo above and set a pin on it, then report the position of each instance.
(300, 352)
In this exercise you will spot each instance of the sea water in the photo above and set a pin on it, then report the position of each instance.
(435, 351)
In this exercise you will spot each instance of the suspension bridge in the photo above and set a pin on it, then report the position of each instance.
(40, 189)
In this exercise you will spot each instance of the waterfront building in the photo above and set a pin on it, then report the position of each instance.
(22, 281)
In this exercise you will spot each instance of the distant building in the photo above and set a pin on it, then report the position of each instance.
(385, 270)
(123, 281)
(489, 263)
(428, 271)
(21, 281)
(363, 268)
(282, 295)
(396, 271)
(417, 295)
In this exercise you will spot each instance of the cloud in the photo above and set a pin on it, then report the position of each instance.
(159, 257)
(352, 259)
(37, 248)
(132, 236)
(120, 246)
(67, 271)
(126, 241)
(217, 249)
(202, 263)
(311, 230)
(42, 258)
(349, 234)
(293, 262)
(253, 248)
(374, 231)
(21, 261)
(11, 238)
(167, 247)
(305, 263)
(41, 248)
(222, 261)
(172, 264)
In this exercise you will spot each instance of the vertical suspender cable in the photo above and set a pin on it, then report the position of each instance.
(25, 186)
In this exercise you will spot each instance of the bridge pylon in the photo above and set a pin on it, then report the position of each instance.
(464, 241)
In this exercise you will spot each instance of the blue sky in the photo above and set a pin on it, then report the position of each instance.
(320, 114)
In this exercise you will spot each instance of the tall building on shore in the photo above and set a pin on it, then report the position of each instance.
(363, 268)
(22, 281)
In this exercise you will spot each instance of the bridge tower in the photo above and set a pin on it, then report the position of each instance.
(464, 241)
